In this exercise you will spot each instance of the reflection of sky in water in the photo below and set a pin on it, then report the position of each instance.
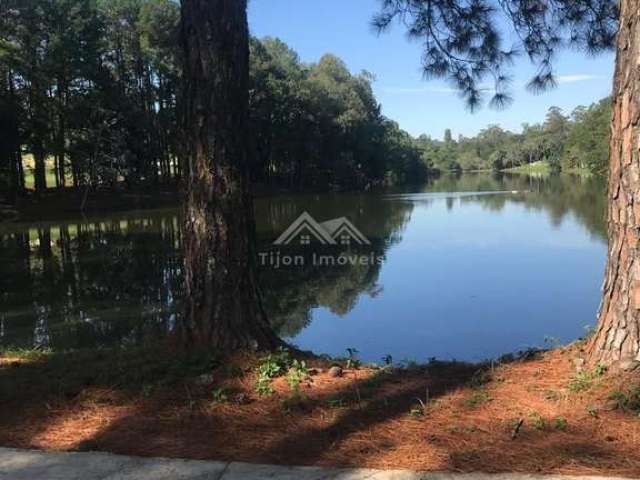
(471, 283)
(467, 275)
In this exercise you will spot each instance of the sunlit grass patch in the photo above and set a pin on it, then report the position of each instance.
(541, 168)
(28, 165)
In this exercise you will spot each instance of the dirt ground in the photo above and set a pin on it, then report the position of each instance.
(536, 414)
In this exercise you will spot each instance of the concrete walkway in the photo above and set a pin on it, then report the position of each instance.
(44, 465)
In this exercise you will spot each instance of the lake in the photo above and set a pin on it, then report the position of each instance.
(466, 267)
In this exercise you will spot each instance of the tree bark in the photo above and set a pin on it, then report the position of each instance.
(223, 306)
(39, 170)
(62, 134)
(617, 337)
(10, 137)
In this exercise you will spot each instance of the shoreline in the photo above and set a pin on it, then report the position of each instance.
(64, 205)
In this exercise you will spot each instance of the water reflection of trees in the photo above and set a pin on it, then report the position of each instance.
(557, 195)
(119, 280)
(291, 293)
(89, 283)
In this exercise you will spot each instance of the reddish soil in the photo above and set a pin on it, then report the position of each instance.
(367, 418)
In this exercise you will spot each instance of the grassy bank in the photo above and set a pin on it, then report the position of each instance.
(540, 168)
(543, 168)
(28, 164)
(529, 413)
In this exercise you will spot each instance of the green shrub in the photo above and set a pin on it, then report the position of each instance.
(584, 380)
(476, 399)
(272, 366)
(627, 400)
(296, 374)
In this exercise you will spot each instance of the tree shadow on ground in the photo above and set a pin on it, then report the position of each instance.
(50, 389)
(373, 418)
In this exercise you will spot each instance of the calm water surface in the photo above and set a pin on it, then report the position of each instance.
(472, 267)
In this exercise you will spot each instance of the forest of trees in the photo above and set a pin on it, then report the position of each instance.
(90, 95)
(89, 92)
(575, 142)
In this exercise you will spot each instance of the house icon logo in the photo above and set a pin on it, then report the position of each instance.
(305, 229)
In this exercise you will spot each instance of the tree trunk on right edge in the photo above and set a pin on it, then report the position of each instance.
(617, 337)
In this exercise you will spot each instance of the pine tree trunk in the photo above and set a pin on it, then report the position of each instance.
(62, 135)
(223, 308)
(39, 171)
(617, 338)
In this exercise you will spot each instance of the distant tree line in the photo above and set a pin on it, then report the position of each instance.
(319, 125)
(90, 96)
(579, 141)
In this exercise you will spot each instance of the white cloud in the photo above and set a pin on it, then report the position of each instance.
(410, 90)
(427, 89)
(561, 79)
(577, 78)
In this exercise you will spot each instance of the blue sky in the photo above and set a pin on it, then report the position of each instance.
(341, 27)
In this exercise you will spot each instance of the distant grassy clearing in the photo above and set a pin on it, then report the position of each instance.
(28, 164)
(541, 167)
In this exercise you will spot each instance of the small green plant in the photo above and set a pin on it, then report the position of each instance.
(627, 400)
(275, 364)
(560, 423)
(263, 387)
(296, 374)
(221, 394)
(599, 370)
(477, 398)
(584, 380)
(538, 422)
(272, 366)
